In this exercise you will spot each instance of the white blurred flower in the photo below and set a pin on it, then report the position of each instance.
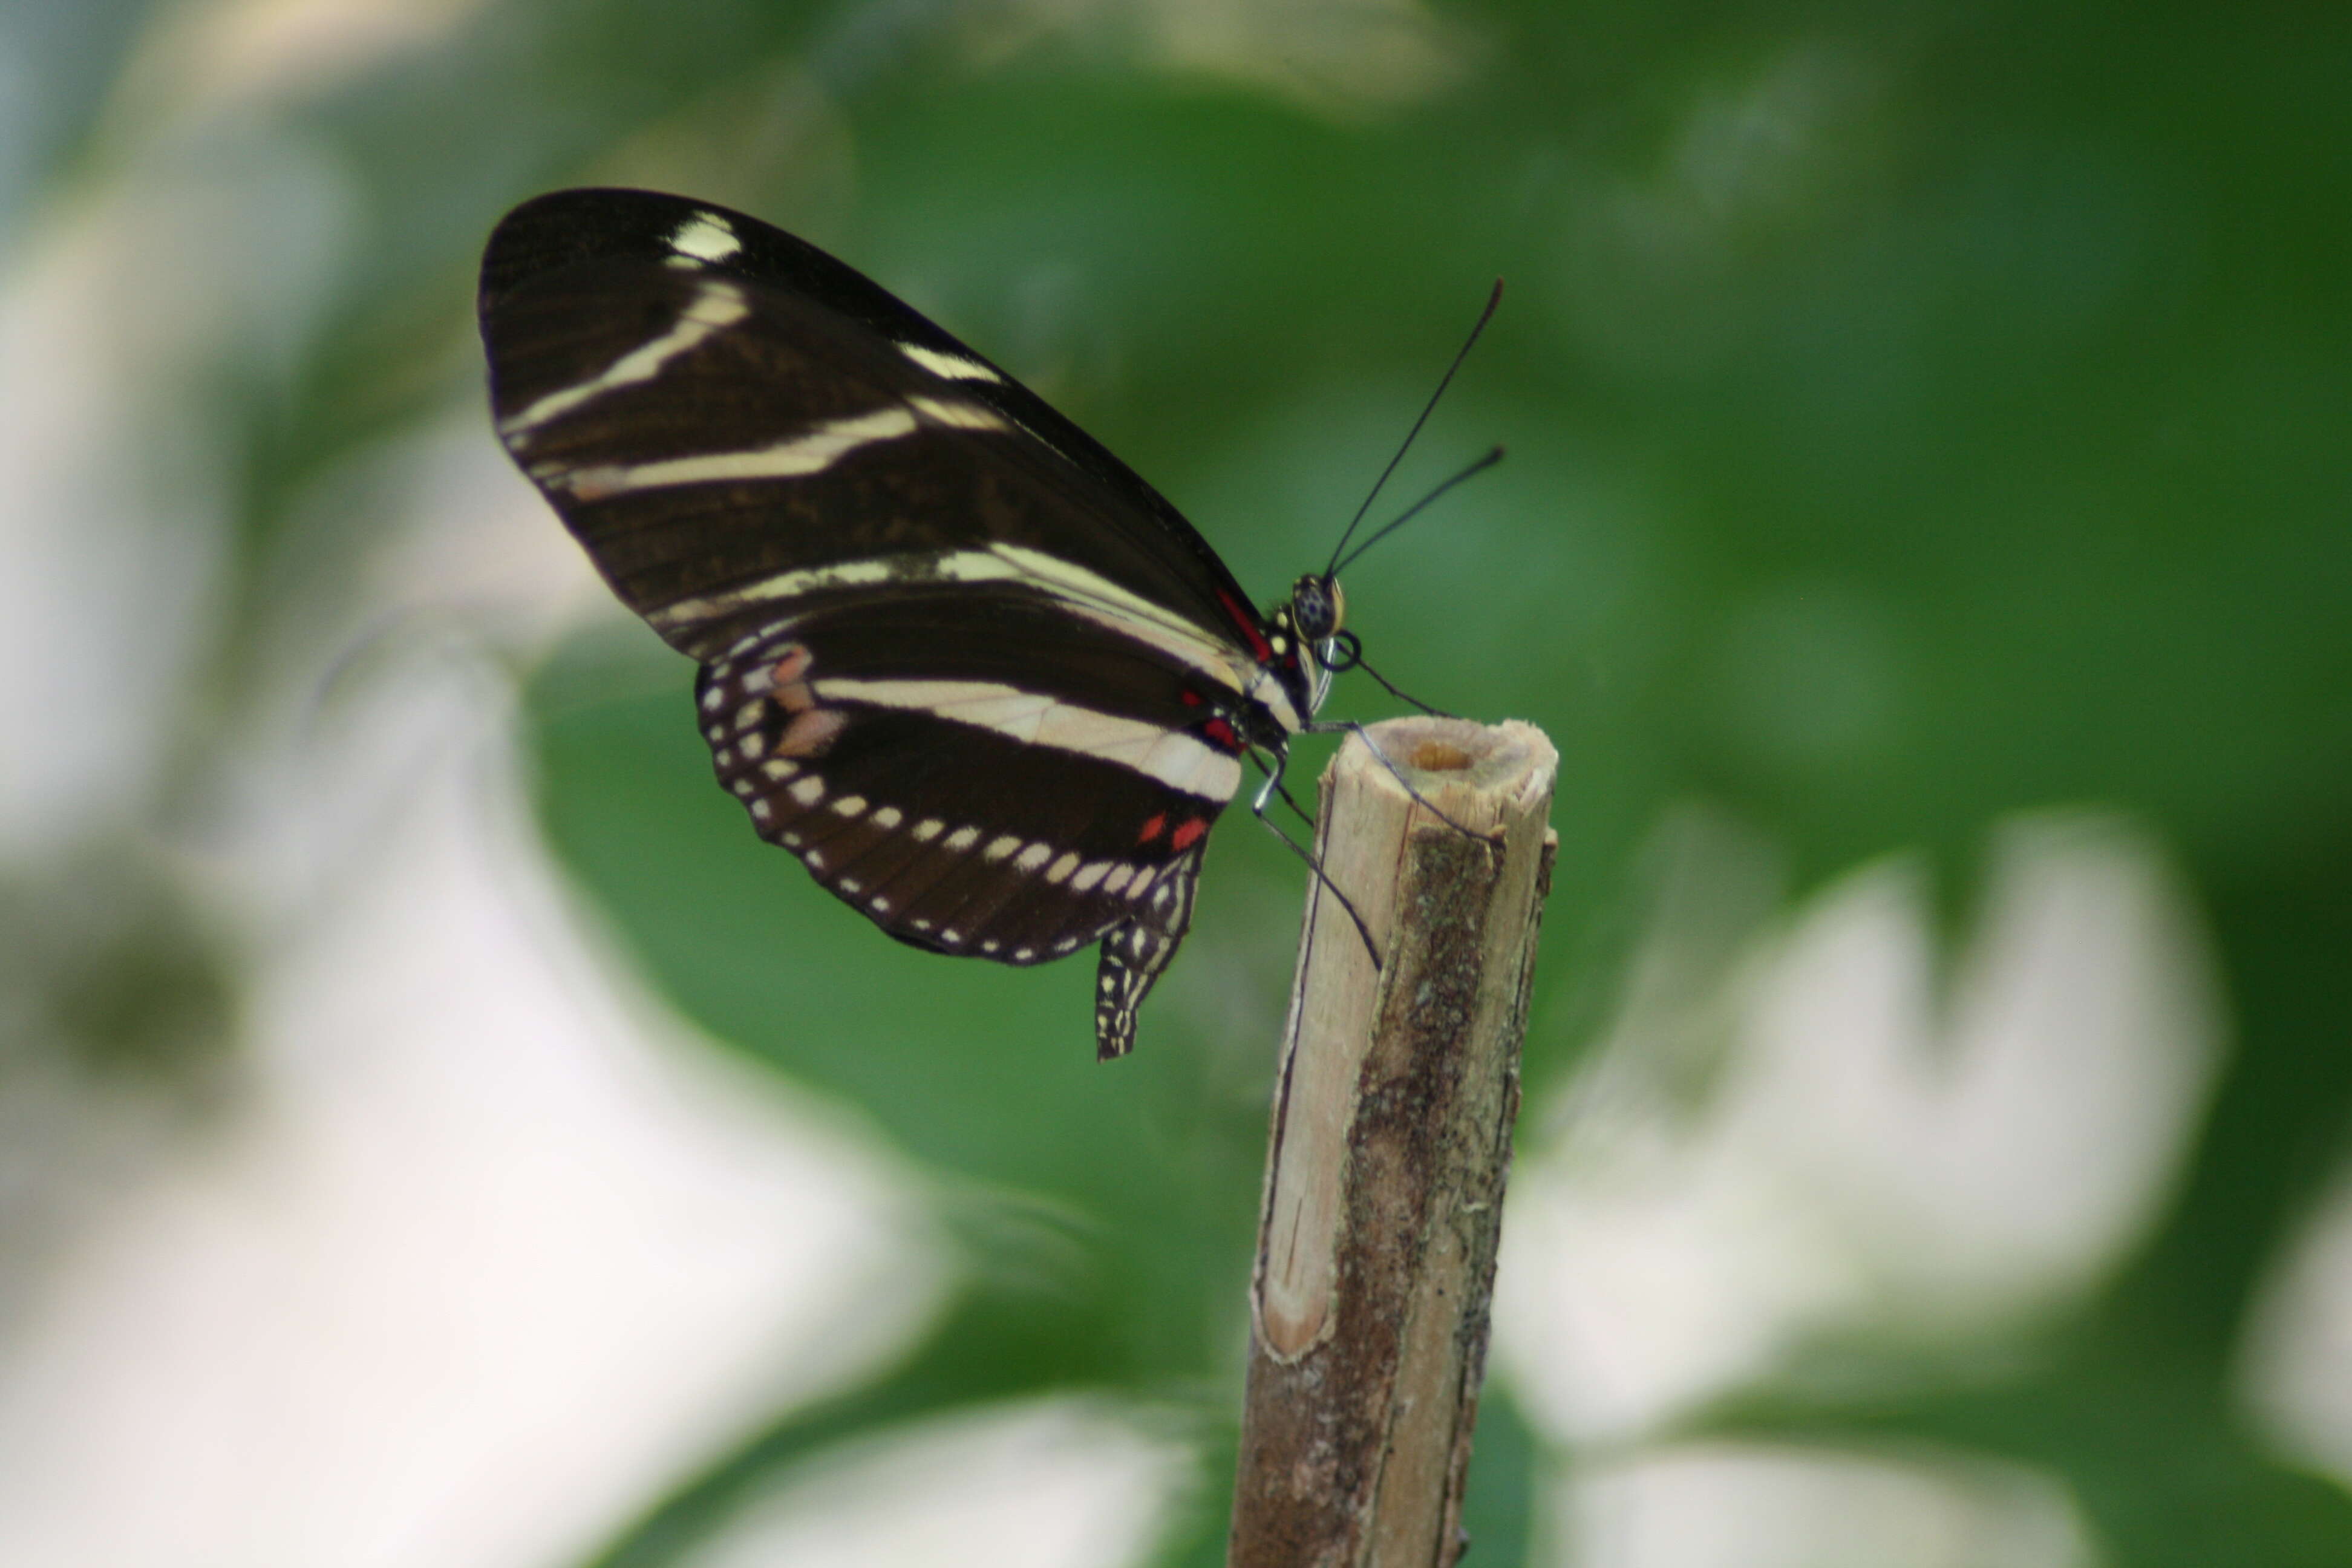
(1727, 1505)
(1055, 1484)
(1863, 1151)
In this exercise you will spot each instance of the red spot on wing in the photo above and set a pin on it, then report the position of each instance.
(1187, 833)
(1151, 828)
(1191, 699)
(1245, 621)
(1222, 732)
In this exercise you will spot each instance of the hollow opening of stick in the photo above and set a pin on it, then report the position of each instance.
(1440, 757)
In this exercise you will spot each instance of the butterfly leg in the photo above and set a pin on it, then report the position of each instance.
(1267, 792)
(1351, 727)
(1344, 652)
(1291, 801)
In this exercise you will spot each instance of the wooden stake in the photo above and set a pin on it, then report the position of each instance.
(1391, 1141)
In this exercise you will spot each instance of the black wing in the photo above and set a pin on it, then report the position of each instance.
(982, 679)
(710, 403)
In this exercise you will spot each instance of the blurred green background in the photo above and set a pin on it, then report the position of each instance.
(1918, 415)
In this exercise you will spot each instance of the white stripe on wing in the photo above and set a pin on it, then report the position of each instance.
(1177, 760)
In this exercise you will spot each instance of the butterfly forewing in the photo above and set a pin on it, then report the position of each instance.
(716, 402)
(984, 681)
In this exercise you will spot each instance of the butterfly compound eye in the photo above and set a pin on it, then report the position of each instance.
(1317, 608)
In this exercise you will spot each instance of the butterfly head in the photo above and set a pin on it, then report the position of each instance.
(1317, 608)
(1305, 637)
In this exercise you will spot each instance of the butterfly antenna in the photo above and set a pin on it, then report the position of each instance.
(1415, 510)
(1493, 300)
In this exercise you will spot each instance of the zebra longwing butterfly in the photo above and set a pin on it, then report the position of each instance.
(985, 682)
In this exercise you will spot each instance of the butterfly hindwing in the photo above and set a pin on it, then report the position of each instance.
(963, 812)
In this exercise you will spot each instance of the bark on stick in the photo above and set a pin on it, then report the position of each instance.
(1391, 1141)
